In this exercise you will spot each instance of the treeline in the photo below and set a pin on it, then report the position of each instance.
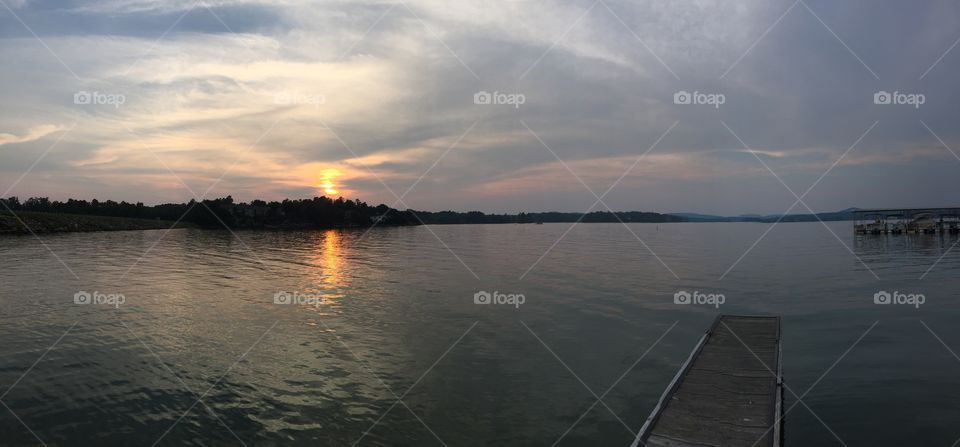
(477, 217)
(318, 212)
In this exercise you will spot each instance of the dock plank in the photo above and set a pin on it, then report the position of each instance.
(727, 394)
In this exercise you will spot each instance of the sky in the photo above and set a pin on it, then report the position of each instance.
(500, 106)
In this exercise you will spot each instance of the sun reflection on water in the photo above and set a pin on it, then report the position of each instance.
(328, 278)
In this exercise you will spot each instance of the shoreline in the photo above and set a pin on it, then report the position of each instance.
(47, 223)
(58, 223)
(50, 223)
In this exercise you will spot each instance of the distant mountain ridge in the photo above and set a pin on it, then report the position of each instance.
(477, 217)
(845, 214)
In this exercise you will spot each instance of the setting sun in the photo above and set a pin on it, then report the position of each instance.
(327, 177)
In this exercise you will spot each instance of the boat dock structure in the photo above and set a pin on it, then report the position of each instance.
(729, 392)
(907, 220)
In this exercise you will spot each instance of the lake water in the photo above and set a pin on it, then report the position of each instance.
(392, 314)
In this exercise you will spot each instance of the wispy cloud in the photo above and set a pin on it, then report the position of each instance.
(32, 134)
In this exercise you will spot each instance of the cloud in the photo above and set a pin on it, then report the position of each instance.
(32, 134)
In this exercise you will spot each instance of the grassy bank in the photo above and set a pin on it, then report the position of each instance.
(63, 223)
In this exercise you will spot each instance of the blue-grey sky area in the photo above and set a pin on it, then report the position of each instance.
(844, 104)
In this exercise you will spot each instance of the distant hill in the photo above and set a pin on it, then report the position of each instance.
(477, 217)
(846, 214)
(700, 217)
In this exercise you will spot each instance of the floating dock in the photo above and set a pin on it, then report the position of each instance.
(907, 220)
(728, 393)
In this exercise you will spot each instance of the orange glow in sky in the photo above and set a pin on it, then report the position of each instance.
(327, 177)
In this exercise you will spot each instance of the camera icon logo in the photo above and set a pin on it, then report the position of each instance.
(482, 297)
(82, 297)
(882, 97)
(283, 298)
(882, 297)
(682, 297)
(83, 98)
(682, 97)
(282, 98)
(482, 98)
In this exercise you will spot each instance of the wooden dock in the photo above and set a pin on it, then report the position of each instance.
(725, 394)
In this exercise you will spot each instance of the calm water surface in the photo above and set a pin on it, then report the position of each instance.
(199, 354)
